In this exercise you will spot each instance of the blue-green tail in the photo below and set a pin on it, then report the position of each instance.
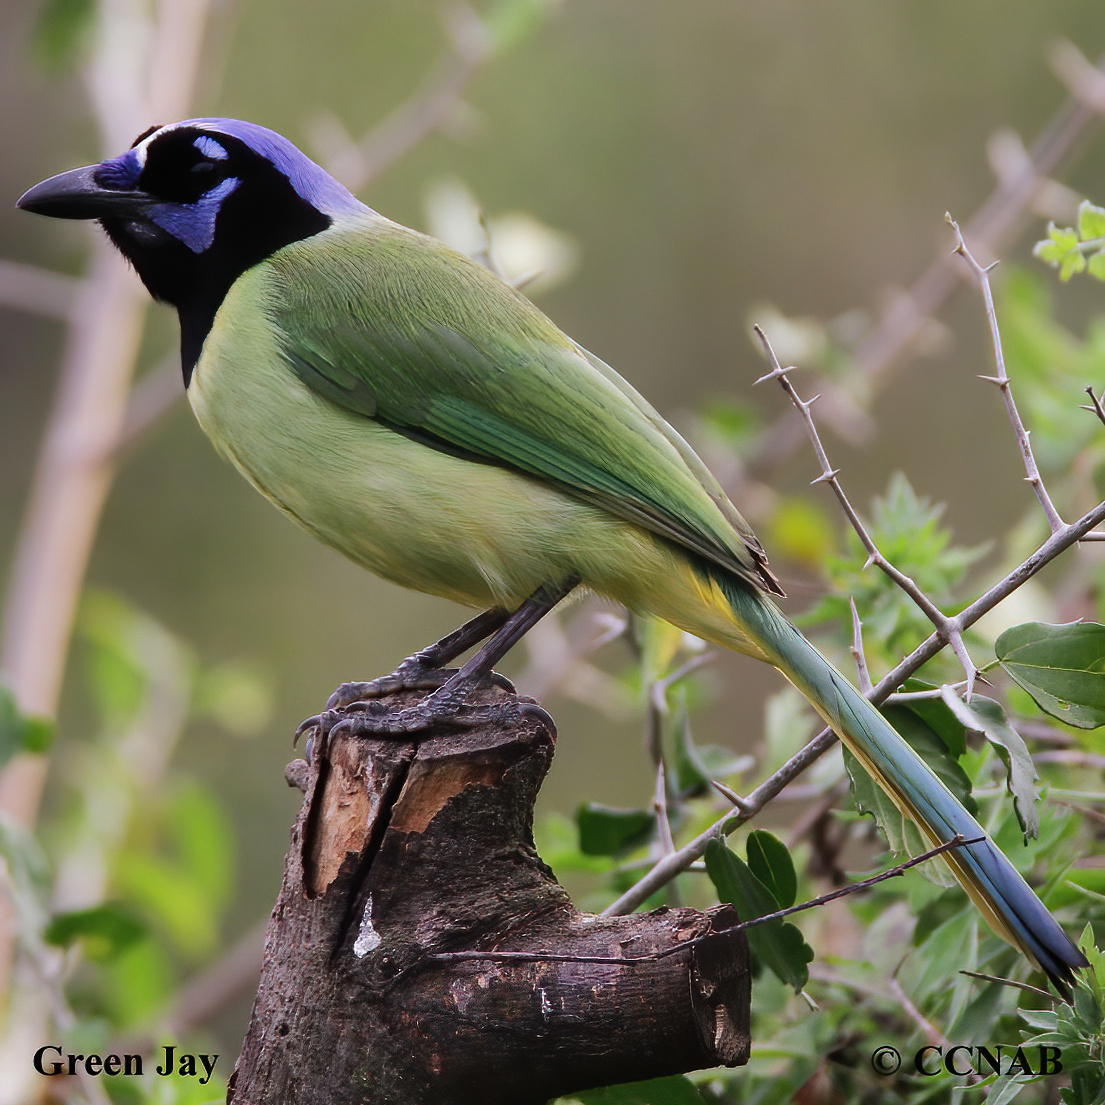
(1007, 902)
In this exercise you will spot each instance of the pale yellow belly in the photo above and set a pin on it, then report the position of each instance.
(475, 533)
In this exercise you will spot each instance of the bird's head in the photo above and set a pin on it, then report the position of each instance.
(193, 205)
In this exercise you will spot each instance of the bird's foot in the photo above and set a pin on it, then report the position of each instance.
(453, 706)
(415, 673)
(356, 708)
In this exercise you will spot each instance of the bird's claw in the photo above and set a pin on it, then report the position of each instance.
(411, 675)
(355, 709)
(453, 711)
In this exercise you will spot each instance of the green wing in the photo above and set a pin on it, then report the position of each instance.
(395, 326)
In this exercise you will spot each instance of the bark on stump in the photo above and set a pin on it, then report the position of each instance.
(407, 853)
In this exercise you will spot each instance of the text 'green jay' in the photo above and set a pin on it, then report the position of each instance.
(409, 408)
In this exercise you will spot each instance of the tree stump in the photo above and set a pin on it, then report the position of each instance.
(407, 858)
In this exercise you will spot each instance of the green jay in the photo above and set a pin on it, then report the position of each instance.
(414, 411)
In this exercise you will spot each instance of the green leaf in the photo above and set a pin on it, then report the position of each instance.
(733, 424)
(1060, 241)
(13, 727)
(676, 1090)
(770, 862)
(180, 874)
(902, 836)
(777, 944)
(20, 732)
(606, 831)
(1095, 264)
(1072, 263)
(38, 733)
(1091, 221)
(1061, 666)
(693, 765)
(987, 717)
(107, 929)
(691, 774)
(935, 714)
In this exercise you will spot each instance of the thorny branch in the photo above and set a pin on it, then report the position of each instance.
(1001, 379)
(1022, 183)
(670, 866)
(944, 625)
(1062, 537)
(1096, 406)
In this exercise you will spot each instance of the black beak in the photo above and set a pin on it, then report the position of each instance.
(76, 195)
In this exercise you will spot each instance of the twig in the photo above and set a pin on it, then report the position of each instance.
(1096, 407)
(1083, 80)
(682, 858)
(38, 291)
(658, 703)
(1025, 986)
(956, 841)
(1002, 382)
(919, 696)
(234, 973)
(944, 625)
(932, 1033)
(155, 394)
(991, 227)
(74, 469)
(658, 691)
(427, 110)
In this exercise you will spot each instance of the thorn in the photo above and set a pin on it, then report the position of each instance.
(774, 374)
(872, 559)
(826, 477)
(991, 266)
(730, 795)
(955, 638)
(969, 690)
(995, 380)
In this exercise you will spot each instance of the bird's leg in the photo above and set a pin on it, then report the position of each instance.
(449, 702)
(425, 670)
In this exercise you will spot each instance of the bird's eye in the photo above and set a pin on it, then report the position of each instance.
(202, 168)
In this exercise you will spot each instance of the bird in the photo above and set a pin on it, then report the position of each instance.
(411, 409)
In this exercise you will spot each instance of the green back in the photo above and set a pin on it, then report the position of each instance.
(395, 326)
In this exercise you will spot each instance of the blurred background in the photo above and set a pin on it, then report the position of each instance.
(674, 171)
